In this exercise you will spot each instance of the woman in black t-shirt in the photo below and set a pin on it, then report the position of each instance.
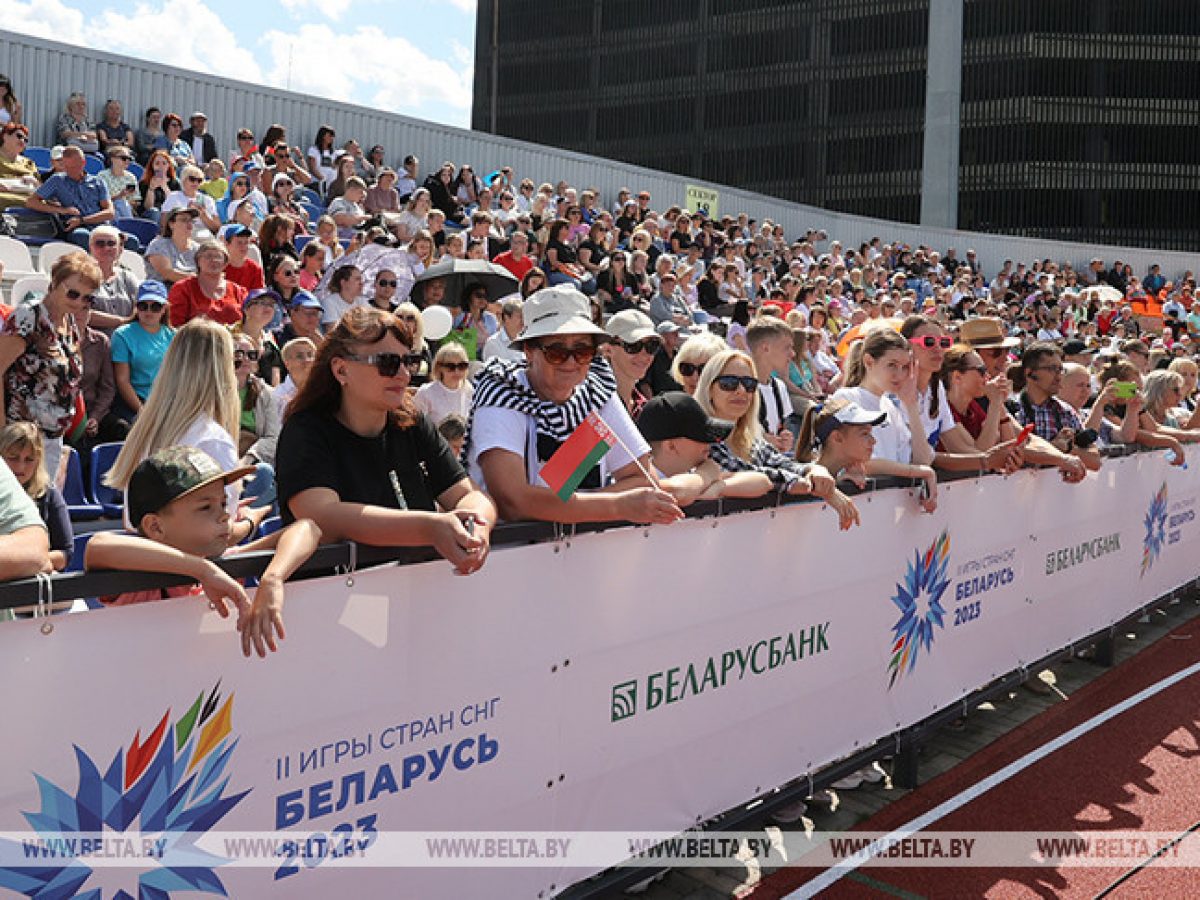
(357, 458)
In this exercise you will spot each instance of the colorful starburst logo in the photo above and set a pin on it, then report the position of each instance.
(1156, 529)
(919, 599)
(172, 784)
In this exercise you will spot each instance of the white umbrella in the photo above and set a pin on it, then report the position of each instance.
(371, 260)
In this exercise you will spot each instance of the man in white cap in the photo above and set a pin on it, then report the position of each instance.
(204, 146)
(523, 412)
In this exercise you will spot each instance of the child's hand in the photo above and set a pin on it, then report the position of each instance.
(264, 619)
(221, 588)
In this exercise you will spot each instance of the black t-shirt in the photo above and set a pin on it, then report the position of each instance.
(317, 451)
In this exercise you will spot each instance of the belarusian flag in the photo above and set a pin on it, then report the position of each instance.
(578, 455)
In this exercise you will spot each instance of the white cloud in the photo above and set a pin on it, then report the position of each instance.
(43, 18)
(365, 65)
(467, 6)
(392, 72)
(187, 34)
(334, 9)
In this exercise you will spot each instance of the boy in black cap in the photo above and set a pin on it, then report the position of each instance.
(176, 500)
(680, 434)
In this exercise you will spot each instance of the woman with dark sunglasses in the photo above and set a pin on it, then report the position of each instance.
(138, 348)
(955, 448)
(18, 173)
(523, 412)
(631, 352)
(40, 355)
(357, 457)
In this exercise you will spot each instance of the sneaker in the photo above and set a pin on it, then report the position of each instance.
(790, 814)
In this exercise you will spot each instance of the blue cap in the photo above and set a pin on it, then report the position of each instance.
(234, 176)
(232, 231)
(250, 165)
(154, 291)
(305, 300)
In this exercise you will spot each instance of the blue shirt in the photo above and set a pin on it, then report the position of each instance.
(143, 352)
(88, 195)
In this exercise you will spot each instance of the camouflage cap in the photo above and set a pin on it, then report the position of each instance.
(170, 474)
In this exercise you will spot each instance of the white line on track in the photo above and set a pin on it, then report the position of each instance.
(835, 873)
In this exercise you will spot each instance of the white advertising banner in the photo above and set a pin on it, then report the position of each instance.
(634, 679)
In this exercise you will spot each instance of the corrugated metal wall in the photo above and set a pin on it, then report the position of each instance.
(44, 73)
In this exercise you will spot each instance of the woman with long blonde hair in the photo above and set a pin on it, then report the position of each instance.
(194, 403)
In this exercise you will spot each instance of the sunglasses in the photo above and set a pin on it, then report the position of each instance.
(88, 299)
(456, 366)
(388, 364)
(265, 302)
(929, 342)
(406, 317)
(193, 179)
(730, 383)
(105, 242)
(24, 138)
(645, 345)
(149, 306)
(386, 282)
(689, 369)
(303, 357)
(286, 272)
(558, 354)
(245, 356)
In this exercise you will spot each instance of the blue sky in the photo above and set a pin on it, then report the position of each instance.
(407, 56)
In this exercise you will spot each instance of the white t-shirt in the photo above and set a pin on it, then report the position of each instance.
(774, 399)
(934, 428)
(893, 437)
(437, 401)
(335, 307)
(205, 434)
(500, 344)
(178, 199)
(508, 429)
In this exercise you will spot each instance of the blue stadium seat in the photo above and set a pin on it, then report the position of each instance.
(308, 195)
(314, 211)
(94, 164)
(143, 229)
(81, 507)
(81, 542)
(301, 240)
(270, 526)
(103, 457)
(135, 170)
(40, 157)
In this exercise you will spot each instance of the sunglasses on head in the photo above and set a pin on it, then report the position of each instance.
(930, 341)
(730, 383)
(456, 366)
(645, 345)
(88, 299)
(688, 369)
(387, 364)
(386, 282)
(149, 306)
(245, 355)
(558, 354)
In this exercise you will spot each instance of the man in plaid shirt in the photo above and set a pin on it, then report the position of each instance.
(1042, 366)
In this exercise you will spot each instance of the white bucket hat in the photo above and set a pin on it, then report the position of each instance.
(557, 310)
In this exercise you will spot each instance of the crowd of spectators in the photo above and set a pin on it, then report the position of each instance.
(730, 359)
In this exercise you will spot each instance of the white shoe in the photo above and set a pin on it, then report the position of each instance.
(790, 814)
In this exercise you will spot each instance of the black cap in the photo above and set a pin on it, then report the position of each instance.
(1074, 347)
(170, 474)
(675, 415)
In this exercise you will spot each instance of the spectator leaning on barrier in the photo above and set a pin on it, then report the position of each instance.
(175, 500)
(630, 352)
(24, 540)
(523, 412)
(681, 435)
(358, 458)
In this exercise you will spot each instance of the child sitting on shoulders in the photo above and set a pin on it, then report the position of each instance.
(176, 501)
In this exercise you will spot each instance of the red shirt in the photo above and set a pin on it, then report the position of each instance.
(249, 275)
(189, 302)
(519, 267)
(972, 419)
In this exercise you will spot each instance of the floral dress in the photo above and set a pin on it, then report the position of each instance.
(42, 383)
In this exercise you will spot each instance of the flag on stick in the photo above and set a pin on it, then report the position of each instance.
(578, 455)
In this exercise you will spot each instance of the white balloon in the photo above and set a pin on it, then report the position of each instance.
(438, 322)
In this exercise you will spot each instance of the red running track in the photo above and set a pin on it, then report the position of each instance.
(1137, 771)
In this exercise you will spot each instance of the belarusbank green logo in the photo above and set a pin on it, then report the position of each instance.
(671, 685)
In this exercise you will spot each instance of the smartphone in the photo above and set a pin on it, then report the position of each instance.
(1125, 390)
(1024, 435)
